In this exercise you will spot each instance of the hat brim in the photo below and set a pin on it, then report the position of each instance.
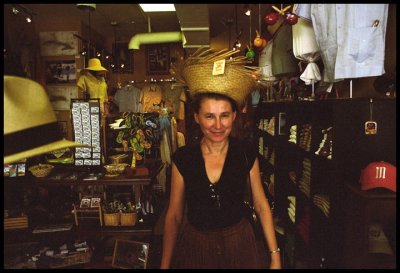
(57, 145)
(96, 68)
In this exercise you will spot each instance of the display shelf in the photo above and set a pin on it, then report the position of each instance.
(351, 151)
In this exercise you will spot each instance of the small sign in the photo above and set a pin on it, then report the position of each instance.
(371, 127)
(219, 67)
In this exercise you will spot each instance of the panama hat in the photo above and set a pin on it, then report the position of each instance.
(30, 124)
(236, 80)
(94, 64)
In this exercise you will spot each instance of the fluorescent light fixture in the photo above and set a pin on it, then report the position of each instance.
(157, 7)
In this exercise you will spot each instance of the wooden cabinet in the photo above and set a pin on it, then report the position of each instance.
(312, 167)
(16, 188)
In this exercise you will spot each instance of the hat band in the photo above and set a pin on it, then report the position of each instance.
(31, 138)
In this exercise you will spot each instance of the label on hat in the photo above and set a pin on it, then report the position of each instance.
(219, 67)
(371, 127)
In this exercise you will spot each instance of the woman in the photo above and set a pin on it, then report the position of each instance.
(210, 179)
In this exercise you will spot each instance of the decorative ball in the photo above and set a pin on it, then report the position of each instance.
(250, 54)
(271, 18)
(291, 18)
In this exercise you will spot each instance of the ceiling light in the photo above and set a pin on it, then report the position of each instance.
(28, 19)
(157, 7)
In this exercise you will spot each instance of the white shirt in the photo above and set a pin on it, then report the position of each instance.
(351, 46)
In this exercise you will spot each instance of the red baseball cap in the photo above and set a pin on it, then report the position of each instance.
(378, 175)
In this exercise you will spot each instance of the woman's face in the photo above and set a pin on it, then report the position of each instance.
(215, 118)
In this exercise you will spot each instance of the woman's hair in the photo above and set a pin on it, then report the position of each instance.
(199, 97)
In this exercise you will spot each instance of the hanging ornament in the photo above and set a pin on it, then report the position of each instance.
(257, 42)
(271, 18)
(291, 18)
(250, 54)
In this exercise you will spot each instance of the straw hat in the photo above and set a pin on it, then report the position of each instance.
(30, 124)
(94, 64)
(236, 81)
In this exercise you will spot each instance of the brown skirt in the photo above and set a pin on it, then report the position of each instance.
(233, 247)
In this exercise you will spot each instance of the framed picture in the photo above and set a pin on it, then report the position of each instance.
(60, 96)
(58, 43)
(85, 203)
(130, 254)
(60, 72)
(123, 58)
(157, 59)
(95, 202)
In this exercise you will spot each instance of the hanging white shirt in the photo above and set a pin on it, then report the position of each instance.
(352, 45)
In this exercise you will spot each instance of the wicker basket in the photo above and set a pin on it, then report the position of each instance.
(41, 170)
(112, 219)
(69, 260)
(128, 218)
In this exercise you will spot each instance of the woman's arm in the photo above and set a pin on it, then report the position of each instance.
(173, 217)
(263, 211)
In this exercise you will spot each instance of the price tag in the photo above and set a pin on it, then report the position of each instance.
(219, 68)
(371, 127)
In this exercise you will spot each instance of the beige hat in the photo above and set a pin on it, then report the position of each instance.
(94, 64)
(30, 124)
(236, 81)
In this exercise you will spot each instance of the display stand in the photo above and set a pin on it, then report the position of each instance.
(86, 128)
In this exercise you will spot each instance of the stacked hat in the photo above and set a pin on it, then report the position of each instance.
(30, 124)
(378, 175)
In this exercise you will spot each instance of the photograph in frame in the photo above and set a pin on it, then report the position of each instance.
(130, 254)
(85, 203)
(157, 59)
(61, 72)
(95, 202)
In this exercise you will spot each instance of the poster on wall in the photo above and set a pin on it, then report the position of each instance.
(60, 96)
(58, 43)
(59, 72)
(157, 59)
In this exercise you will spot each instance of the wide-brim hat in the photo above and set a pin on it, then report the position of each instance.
(94, 64)
(236, 81)
(30, 124)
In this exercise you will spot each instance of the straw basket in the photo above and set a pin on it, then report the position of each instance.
(128, 218)
(41, 170)
(112, 219)
(75, 259)
(197, 73)
(235, 82)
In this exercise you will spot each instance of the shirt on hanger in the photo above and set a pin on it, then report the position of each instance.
(128, 99)
(150, 95)
(351, 38)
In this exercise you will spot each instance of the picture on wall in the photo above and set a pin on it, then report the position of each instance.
(157, 59)
(58, 43)
(60, 72)
(60, 96)
(123, 58)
